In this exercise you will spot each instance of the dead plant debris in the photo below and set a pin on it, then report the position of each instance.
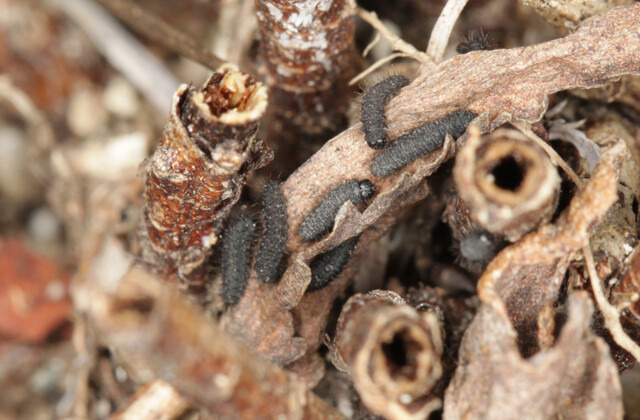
(495, 277)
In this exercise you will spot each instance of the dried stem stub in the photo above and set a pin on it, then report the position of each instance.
(309, 50)
(196, 174)
(392, 353)
(509, 185)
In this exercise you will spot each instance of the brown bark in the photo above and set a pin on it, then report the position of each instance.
(309, 50)
(196, 174)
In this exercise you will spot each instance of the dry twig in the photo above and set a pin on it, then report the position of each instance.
(442, 29)
(124, 52)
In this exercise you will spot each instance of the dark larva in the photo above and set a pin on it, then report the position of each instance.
(274, 238)
(236, 258)
(325, 267)
(320, 220)
(474, 41)
(419, 142)
(372, 112)
(478, 246)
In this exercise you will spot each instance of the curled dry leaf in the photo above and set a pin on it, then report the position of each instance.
(588, 149)
(196, 174)
(575, 378)
(498, 85)
(529, 273)
(157, 334)
(33, 293)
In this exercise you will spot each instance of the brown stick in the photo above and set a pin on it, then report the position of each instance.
(153, 27)
(309, 50)
(198, 170)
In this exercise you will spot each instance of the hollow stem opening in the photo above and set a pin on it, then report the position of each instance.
(401, 355)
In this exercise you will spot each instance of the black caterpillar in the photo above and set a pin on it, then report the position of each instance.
(325, 267)
(474, 41)
(419, 142)
(321, 218)
(274, 238)
(478, 246)
(236, 258)
(372, 111)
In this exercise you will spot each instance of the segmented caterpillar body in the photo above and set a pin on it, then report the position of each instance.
(321, 218)
(474, 41)
(274, 237)
(325, 267)
(236, 258)
(422, 140)
(372, 111)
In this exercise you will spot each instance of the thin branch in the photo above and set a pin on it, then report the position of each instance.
(153, 27)
(397, 43)
(442, 29)
(246, 25)
(609, 312)
(376, 66)
(499, 86)
(124, 52)
(372, 44)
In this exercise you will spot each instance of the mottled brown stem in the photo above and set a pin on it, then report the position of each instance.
(392, 353)
(610, 314)
(157, 334)
(196, 174)
(155, 400)
(508, 184)
(309, 51)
